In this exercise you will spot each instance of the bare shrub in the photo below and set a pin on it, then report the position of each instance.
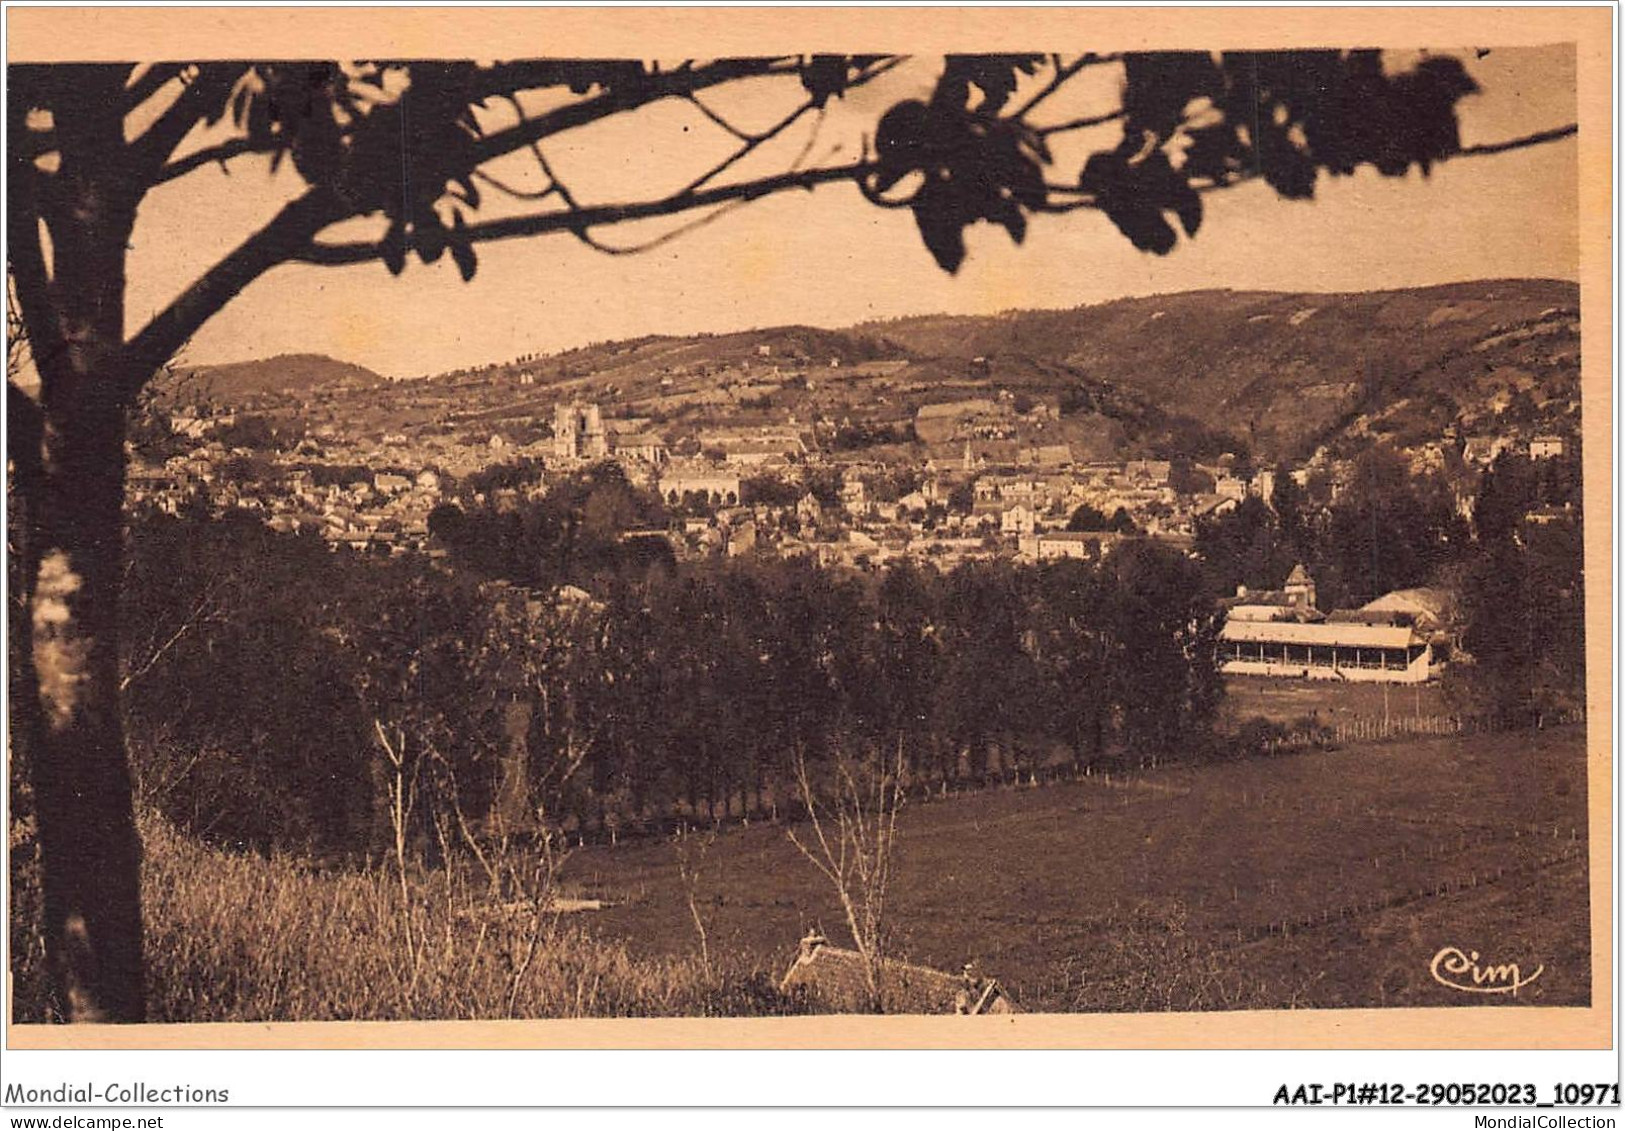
(854, 839)
(691, 848)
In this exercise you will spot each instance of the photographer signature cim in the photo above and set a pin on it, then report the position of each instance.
(1459, 970)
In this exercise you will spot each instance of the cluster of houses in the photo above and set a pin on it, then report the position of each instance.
(389, 512)
(974, 496)
(382, 510)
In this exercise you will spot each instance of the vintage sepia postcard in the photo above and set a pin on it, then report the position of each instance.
(798, 528)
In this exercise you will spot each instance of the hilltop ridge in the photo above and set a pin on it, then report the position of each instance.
(1195, 373)
(290, 373)
(1285, 369)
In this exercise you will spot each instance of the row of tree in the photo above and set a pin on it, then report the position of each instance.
(1523, 594)
(1386, 530)
(281, 692)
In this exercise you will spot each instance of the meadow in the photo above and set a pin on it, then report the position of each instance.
(1327, 878)
(1320, 879)
(1329, 701)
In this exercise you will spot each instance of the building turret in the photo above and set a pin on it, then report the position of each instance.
(1300, 588)
(564, 431)
(594, 443)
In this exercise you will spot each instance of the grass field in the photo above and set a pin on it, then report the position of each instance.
(1328, 701)
(1323, 879)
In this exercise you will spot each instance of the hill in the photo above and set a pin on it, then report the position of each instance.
(1286, 370)
(1193, 374)
(289, 373)
(640, 364)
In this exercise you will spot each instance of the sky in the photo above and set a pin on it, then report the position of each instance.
(829, 258)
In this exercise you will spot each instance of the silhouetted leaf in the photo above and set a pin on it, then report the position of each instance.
(1303, 111)
(1214, 153)
(1008, 215)
(996, 76)
(977, 167)
(900, 141)
(824, 76)
(1188, 207)
(1011, 157)
(462, 251)
(429, 236)
(942, 224)
(394, 248)
(1430, 94)
(1286, 168)
(1166, 190)
(1159, 85)
(1134, 195)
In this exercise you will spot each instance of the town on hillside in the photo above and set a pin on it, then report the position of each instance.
(856, 451)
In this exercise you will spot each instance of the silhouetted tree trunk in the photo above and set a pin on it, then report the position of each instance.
(89, 848)
(82, 784)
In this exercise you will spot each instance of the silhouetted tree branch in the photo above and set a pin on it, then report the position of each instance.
(202, 99)
(277, 242)
(1527, 141)
(214, 154)
(145, 82)
(591, 216)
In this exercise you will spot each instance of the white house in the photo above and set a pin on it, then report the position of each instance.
(1281, 633)
(645, 446)
(1482, 450)
(1427, 609)
(1064, 544)
(1546, 447)
(1230, 487)
(1019, 519)
(716, 487)
(1373, 653)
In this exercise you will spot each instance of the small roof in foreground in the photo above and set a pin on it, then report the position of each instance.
(834, 979)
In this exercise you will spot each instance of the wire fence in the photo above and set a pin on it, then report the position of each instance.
(1306, 735)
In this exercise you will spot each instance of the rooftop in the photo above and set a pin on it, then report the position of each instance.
(1326, 634)
(834, 978)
